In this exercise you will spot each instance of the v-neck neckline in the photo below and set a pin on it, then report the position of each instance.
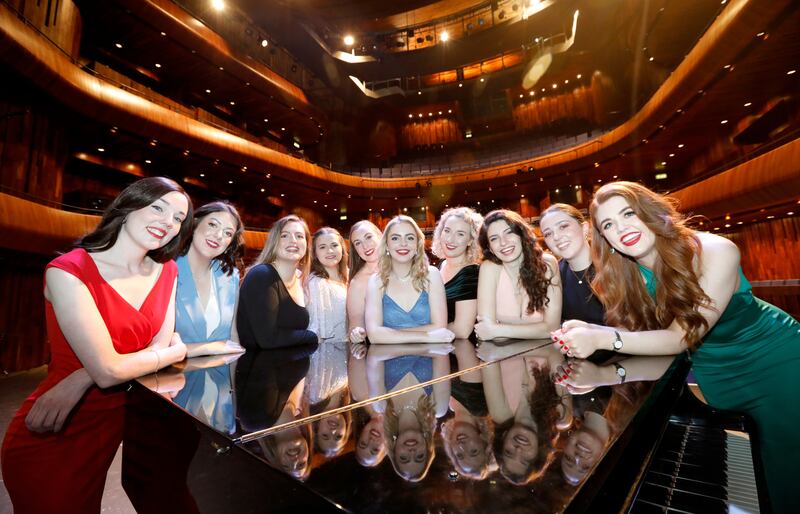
(401, 307)
(107, 283)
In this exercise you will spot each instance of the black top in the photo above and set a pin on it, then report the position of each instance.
(579, 302)
(463, 286)
(267, 316)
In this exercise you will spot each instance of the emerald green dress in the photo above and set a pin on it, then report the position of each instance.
(750, 362)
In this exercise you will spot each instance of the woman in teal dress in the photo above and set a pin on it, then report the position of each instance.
(670, 289)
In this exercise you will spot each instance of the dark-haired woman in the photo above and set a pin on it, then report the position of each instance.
(272, 305)
(208, 281)
(674, 289)
(519, 290)
(110, 315)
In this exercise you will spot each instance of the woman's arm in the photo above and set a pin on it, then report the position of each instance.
(86, 332)
(435, 332)
(495, 394)
(719, 278)
(441, 390)
(464, 322)
(356, 308)
(489, 328)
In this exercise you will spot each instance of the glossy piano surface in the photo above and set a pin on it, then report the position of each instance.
(411, 428)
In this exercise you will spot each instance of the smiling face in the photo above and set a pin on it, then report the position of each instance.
(468, 449)
(582, 452)
(365, 242)
(292, 243)
(370, 448)
(520, 448)
(331, 434)
(411, 453)
(565, 237)
(213, 234)
(328, 250)
(154, 226)
(293, 455)
(455, 238)
(503, 242)
(401, 242)
(625, 231)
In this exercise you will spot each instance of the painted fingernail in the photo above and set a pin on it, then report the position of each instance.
(564, 377)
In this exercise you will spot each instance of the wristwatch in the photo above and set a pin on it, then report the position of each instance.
(621, 372)
(617, 342)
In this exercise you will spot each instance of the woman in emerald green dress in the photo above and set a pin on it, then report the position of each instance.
(669, 289)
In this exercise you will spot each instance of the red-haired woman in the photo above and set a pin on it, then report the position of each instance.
(674, 289)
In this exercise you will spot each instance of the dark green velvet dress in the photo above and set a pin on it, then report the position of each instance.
(750, 362)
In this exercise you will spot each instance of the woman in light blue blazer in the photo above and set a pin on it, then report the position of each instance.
(208, 281)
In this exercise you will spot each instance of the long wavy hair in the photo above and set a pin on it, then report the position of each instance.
(485, 427)
(426, 417)
(231, 258)
(137, 196)
(473, 219)
(317, 268)
(533, 271)
(270, 250)
(356, 262)
(618, 281)
(543, 401)
(419, 264)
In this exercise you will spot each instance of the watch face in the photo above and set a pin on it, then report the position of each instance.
(617, 344)
(621, 371)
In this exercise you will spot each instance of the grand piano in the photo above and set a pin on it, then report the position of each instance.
(521, 430)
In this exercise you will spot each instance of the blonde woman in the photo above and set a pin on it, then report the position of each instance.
(272, 306)
(455, 241)
(364, 239)
(406, 298)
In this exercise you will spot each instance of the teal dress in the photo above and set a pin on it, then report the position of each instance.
(750, 362)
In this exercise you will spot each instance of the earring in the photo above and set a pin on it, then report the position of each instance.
(613, 250)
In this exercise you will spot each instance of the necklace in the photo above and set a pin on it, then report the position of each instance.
(580, 278)
(403, 279)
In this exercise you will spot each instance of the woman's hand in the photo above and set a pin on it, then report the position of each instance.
(177, 346)
(581, 374)
(358, 335)
(487, 329)
(441, 335)
(580, 339)
(51, 409)
(358, 350)
(438, 348)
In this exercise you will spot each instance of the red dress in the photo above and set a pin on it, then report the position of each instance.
(66, 471)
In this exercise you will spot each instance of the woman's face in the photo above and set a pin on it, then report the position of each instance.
(411, 453)
(402, 242)
(624, 230)
(584, 448)
(292, 244)
(365, 242)
(504, 244)
(468, 448)
(520, 448)
(562, 233)
(455, 237)
(154, 226)
(328, 250)
(293, 455)
(331, 432)
(213, 234)
(370, 447)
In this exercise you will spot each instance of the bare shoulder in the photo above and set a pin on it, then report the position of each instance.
(433, 272)
(488, 267)
(717, 247)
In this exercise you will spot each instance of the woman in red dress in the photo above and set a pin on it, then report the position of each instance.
(110, 315)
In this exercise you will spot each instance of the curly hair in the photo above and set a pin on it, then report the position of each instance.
(618, 281)
(231, 258)
(473, 219)
(426, 417)
(419, 264)
(533, 270)
(356, 262)
(317, 267)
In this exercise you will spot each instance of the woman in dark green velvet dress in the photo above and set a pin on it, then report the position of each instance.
(674, 289)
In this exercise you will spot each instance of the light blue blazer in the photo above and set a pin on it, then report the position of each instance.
(190, 321)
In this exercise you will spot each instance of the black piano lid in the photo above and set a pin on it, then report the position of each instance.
(252, 394)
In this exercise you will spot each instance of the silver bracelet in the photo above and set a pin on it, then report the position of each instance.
(158, 360)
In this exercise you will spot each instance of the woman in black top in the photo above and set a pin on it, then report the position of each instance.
(455, 241)
(566, 234)
(271, 311)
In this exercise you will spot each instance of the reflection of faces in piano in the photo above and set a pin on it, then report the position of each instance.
(288, 451)
(331, 434)
(520, 449)
(468, 445)
(410, 453)
(584, 448)
(370, 448)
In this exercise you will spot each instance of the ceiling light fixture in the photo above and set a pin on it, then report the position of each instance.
(349, 40)
(444, 36)
(218, 5)
(118, 45)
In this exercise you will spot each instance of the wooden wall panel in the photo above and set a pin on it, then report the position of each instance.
(770, 250)
(536, 114)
